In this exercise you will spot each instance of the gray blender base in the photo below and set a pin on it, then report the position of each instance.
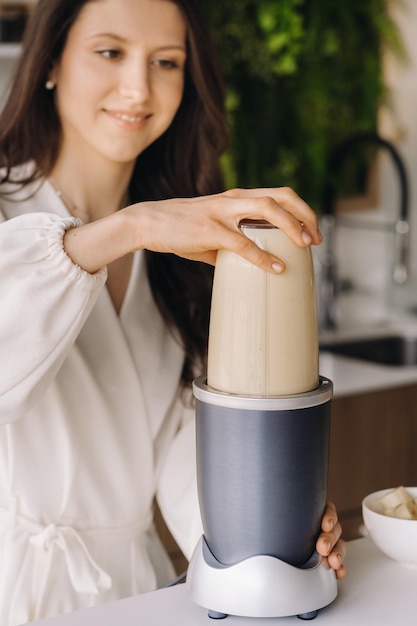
(260, 586)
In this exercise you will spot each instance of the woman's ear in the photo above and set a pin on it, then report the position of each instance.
(52, 78)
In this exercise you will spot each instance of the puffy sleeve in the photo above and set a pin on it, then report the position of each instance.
(45, 300)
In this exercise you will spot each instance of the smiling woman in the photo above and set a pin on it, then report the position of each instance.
(128, 68)
(116, 115)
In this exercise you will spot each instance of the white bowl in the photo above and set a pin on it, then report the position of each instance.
(397, 538)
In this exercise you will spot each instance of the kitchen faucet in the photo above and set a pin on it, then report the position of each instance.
(329, 284)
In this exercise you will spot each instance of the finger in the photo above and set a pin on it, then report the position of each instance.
(330, 518)
(282, 207)
(246, 248)
(337, 557)
(291, 201)
(341, 572)
(229, 212)
(338, 554)
(326, 541)
(238, 243)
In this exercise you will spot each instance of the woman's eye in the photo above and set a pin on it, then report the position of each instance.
(109, 54)
(166, 64)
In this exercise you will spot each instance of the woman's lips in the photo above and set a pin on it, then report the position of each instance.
(128, 118)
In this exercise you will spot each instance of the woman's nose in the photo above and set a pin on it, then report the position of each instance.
(135, 82)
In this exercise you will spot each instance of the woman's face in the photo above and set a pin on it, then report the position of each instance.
(120, 79)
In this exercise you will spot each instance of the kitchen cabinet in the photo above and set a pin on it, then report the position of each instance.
(373, 446)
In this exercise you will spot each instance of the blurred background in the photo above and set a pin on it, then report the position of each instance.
(304, 77)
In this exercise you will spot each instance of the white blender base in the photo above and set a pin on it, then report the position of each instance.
(260, 586)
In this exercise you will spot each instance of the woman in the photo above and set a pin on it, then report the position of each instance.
(110, 142)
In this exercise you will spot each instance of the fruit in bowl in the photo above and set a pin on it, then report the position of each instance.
(390, 517)
(399, 503)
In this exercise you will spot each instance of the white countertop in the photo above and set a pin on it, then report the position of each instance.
(351, 376)
(377, 591)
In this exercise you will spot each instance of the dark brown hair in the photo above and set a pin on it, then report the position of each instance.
(183, 162)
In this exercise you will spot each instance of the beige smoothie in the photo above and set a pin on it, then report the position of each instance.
(263, 338)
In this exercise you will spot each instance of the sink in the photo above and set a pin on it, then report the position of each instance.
(394, 349)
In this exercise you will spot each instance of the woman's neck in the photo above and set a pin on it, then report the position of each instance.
(93, 193)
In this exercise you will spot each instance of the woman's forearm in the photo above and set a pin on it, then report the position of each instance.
(97, 244)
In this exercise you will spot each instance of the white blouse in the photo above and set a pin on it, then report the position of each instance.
(92, 426)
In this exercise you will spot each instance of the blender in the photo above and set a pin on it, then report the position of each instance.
(262, 429)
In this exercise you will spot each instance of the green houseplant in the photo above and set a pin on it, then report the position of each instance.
(302, 75)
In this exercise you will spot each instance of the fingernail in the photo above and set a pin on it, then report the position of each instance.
(277, 267)
(339, 556)
(306, 237)
(328, 545)
(320, 236)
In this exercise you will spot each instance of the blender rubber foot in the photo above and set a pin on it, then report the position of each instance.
(307, 616)
(216, 614)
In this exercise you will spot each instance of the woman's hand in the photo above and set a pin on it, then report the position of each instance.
(195, 228)
(329, 544)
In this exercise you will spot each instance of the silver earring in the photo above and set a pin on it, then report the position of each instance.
(49, 85)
